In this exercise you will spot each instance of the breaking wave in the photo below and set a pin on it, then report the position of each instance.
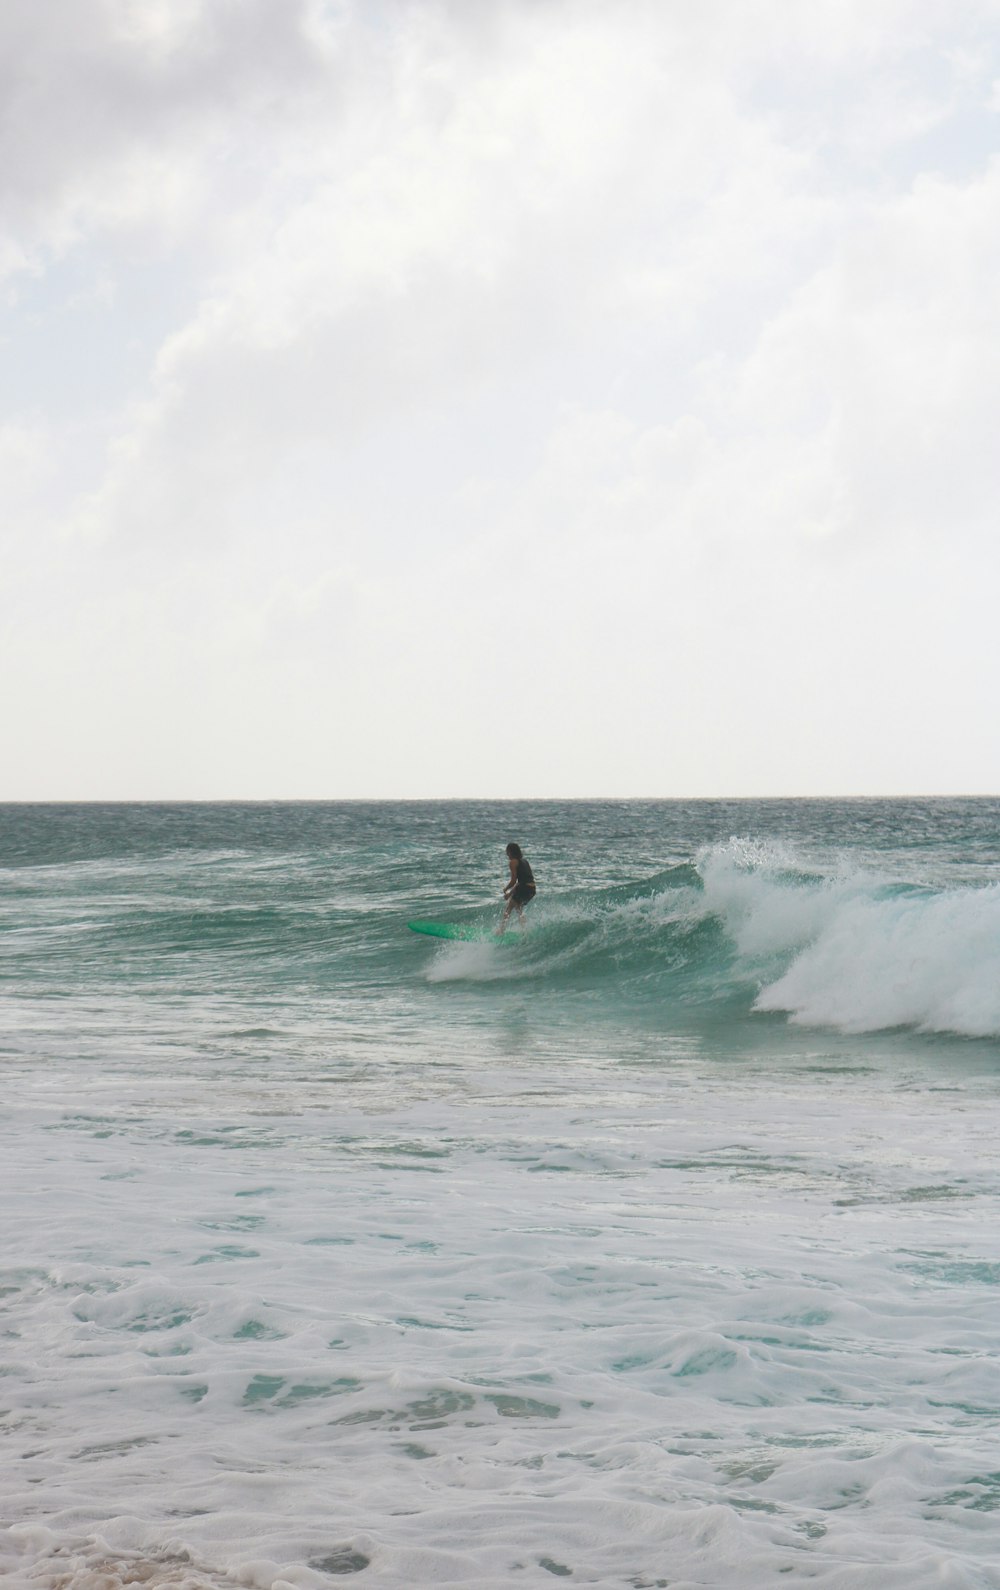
(745, 924)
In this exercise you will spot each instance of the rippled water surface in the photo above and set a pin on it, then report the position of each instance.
(658, 1247)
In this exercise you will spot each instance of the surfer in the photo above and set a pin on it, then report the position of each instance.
(520, 891)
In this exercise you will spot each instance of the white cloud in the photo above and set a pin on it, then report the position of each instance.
(118, 115)
(22, 463)
(630, 362)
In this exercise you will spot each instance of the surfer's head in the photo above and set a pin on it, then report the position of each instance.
(514, 852)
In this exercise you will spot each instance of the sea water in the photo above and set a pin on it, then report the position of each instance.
(658, 1248)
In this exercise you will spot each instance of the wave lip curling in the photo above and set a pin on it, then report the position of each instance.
(855, 951)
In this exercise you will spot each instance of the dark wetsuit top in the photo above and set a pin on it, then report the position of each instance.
(524, 886)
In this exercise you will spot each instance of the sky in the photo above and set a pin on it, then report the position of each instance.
(502, 398)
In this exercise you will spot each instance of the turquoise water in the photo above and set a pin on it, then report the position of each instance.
(658, 1247)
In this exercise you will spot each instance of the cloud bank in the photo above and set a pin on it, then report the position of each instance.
(517, 399)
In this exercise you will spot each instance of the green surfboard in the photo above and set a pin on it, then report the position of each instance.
(454, 930)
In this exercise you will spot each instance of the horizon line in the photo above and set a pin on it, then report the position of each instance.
(496, 800)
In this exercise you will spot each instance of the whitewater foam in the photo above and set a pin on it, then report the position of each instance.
(932, 963)
(862, 954)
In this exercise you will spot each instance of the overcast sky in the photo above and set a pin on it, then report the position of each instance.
(499, 397)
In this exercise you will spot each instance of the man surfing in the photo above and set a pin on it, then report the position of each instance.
(520, 891)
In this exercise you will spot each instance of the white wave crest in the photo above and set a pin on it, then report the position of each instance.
(862, 958)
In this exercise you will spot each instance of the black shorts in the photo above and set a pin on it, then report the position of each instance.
(523, 896)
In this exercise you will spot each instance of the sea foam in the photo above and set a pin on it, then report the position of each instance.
(860, 953)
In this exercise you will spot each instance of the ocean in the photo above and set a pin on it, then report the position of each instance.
(657, 1248)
